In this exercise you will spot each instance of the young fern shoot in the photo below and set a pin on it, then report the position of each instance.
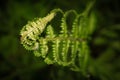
(66, 48)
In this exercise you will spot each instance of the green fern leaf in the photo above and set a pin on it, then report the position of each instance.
(68, 47)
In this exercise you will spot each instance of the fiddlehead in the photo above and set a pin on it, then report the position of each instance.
(68, 47)
(30, 32)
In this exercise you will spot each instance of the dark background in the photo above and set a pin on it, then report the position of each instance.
(16, 63)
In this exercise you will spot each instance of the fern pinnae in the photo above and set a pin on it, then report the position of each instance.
(74, 44)
(67, 47)
(56, 51)
(49, 32)
(43, 47)
(66, 42)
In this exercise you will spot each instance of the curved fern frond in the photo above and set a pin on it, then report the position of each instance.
(68, 47)
(30, 32)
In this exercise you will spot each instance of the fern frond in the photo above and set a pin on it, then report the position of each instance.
(68, 47)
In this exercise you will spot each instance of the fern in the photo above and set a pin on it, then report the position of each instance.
(66, 48)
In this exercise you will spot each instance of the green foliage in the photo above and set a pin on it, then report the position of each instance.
(103, 42)
(66, 47)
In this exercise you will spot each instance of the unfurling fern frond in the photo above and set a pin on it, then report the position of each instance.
(68, 47)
